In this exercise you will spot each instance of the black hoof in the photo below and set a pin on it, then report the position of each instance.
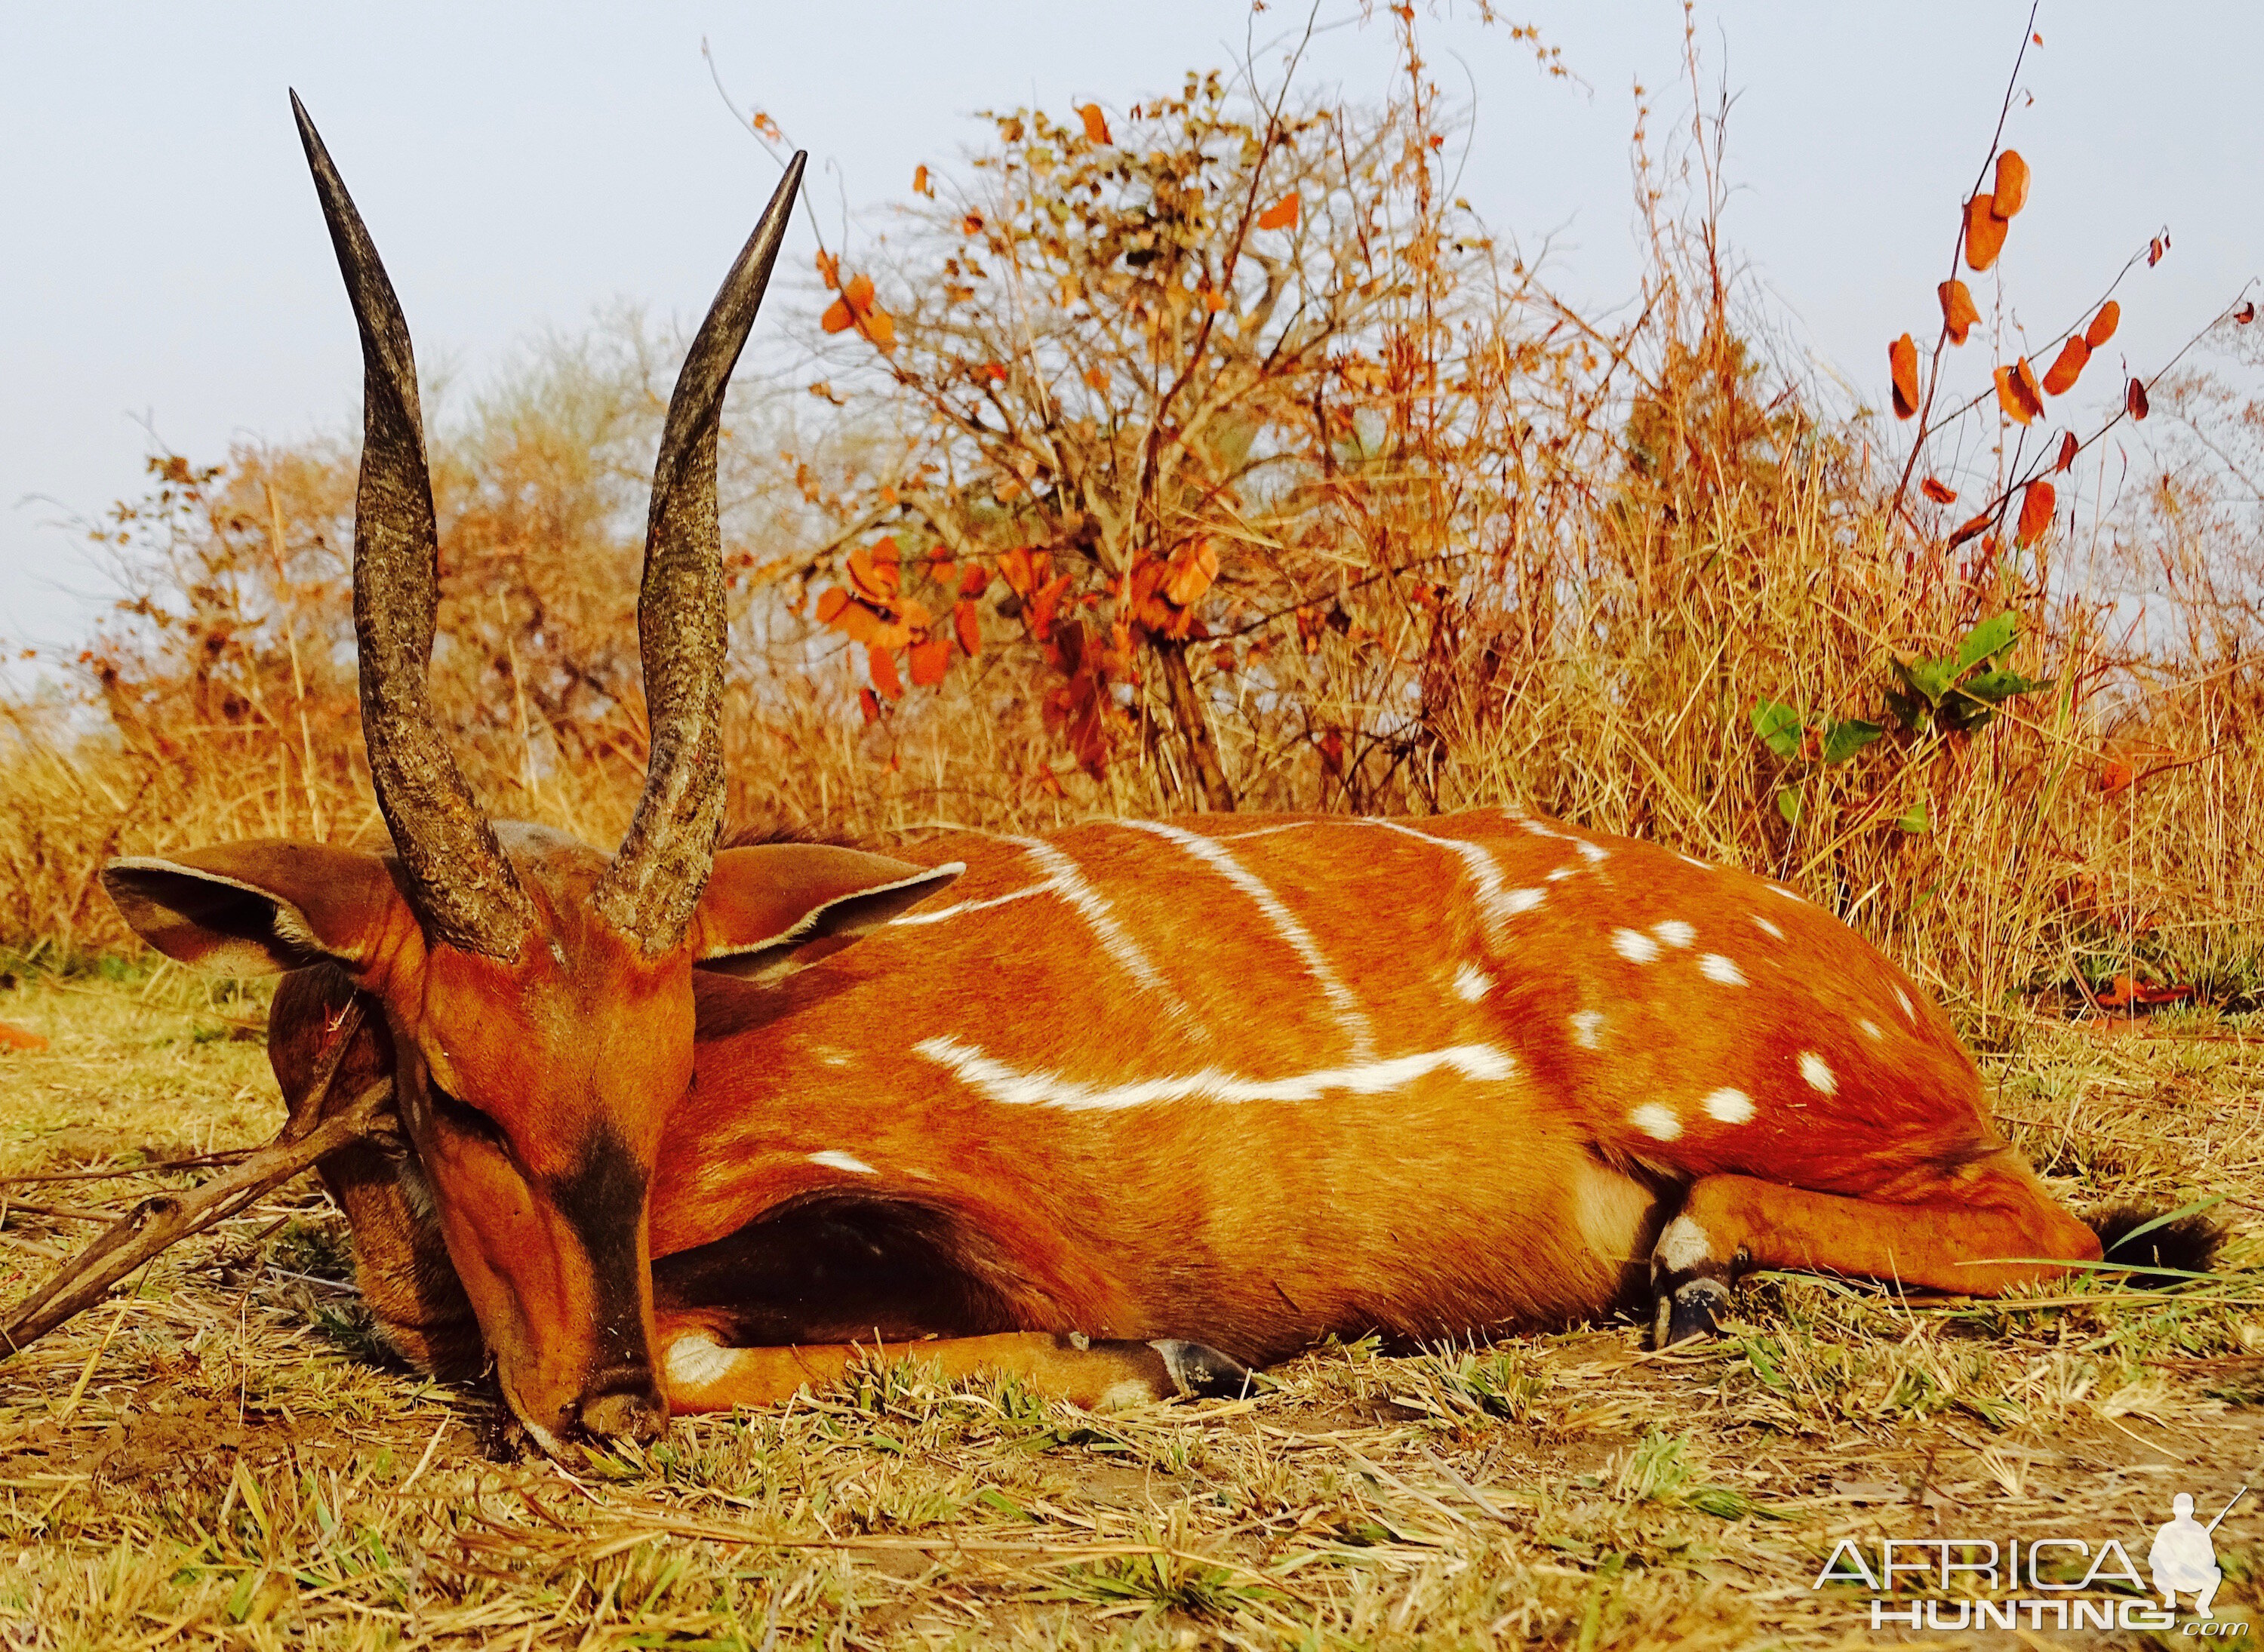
(1202, 1373)
(1692, 1309)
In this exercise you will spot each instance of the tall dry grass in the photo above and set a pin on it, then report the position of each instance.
(1352, 514)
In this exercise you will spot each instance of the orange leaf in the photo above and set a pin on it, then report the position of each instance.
(838, 317)
(2064, 371)
(2068, 449)
(930, 660)
(966, 620)
(2245, 314)
(1214, 301)
(876, 574)
(912, 614)
(17, 1037)
(2012, 191)
(866, 704)
(830, 602)
(972, 582)
(1282, 214)
(2135, 399)
(920, 186)
(1097, 377)
(2037, 502)
(880, 327)
(859, 623)
(1902, 365)
(2155, 248)
(859, 292)
(1096, 125)
(2103, 325)
(1985, 234)
(1191, 571)
(971, 225)
(2116, 777)
(1941, 493)
(2016, 393)
(1957, 312)
(1967, 529)
(882, 664)
(830, 268)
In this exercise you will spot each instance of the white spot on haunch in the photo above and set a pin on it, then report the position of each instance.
(1731, 1106)
(1819, 1076)
(1871, 1029)
(1538, 829)
(1585, 1025)
(1674, 932)
(1767, 928)
(1472, 984)
(1563, 873)
(1479, 1063)
(1350, 1016)
(1656, 1121)
(1714, 966)
(828, 1055)
(693, 1362)
(835, 1159)
(1903, 998)
(1687, 860)
(1682, 1245)
(1787, 893)
(1593, 853)
(1634, 945)
(1516, 901)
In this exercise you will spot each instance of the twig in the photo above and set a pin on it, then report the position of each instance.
(158, 1223)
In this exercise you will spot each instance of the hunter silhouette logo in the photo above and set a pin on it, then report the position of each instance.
(2184, 1556)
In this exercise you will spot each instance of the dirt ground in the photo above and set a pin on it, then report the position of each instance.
(220, 1456)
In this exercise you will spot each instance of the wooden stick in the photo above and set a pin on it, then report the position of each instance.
(160, 1223)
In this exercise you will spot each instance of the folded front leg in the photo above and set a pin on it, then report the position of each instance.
(700, 1374)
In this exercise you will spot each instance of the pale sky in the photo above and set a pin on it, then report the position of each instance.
(523, 165)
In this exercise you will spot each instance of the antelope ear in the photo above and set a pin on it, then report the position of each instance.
(775, 909)
(252, 908)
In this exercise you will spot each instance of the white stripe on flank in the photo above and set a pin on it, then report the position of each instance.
(1266, 831)
(1495, 903)
(1064, 878)
(958, 908)
(1349, 1013)
(996, 1081)
(835, 1159)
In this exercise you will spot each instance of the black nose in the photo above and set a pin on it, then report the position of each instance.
(624, 1404)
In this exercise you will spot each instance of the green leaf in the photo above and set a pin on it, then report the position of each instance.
(1780, 726)
(1998, 686)
(1843, 739)
(1929, 679)
(1787, 804)
(1914, 820)
(1991, 636)
(1907, 709)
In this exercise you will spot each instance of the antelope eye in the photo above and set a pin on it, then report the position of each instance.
(462, 1115)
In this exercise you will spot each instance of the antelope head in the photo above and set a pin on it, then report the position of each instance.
(538, 993)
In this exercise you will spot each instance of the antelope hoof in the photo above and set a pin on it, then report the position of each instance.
(1202, 1373)
(1690, 1310)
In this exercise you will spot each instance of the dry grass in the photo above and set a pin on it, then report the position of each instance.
(220, 1459)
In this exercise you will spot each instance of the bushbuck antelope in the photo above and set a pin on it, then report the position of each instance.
(1135, 1105)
